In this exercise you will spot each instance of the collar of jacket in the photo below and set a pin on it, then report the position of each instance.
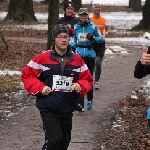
(79, 22)
(68, 54)
(72, 16)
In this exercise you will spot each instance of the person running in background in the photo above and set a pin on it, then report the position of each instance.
(86, 33)
(57, 77)
(142, 67)
(69, 19)
(99, 47)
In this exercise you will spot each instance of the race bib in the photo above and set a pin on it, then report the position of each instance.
(82, 37)
(62, 83)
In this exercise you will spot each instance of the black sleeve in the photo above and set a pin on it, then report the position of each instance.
(141, 71)
(60, 20)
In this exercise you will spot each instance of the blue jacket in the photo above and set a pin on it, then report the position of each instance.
(81, 43)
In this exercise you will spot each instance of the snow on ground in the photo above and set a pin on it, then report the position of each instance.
(111, 2)
(8, 72)
(116, 20)
(105, 2)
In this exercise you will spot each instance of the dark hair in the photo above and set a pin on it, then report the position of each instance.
(67, 4)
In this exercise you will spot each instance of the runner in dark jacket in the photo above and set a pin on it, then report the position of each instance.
(69, 18)
(57, 78)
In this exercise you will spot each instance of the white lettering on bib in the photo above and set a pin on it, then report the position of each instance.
(62, 83)
(82, 37)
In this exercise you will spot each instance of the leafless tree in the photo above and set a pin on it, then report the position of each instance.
(77, 4)
(3, 39)
(3, 50)
(145, 22)
(45, 2)
(21, 11)
(52, 19)
(135, 4)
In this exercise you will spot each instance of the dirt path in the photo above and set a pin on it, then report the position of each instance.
(24, 130)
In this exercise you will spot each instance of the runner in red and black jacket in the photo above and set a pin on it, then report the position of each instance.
(42, 69)
(57, 78)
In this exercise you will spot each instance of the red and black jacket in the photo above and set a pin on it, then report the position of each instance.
(39, 73)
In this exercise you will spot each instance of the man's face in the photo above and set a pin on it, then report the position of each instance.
(69, 11)
(62, 41)
(83, 17)
(97, 9)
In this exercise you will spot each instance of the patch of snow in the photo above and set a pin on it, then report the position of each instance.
(108, 51)
(146, 35)
(115, 50)
(8, 72)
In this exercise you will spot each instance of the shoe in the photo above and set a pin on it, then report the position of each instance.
(80, 108)
(89, 105)
(96, 86)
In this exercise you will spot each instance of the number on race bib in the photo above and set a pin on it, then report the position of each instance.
(62, 83)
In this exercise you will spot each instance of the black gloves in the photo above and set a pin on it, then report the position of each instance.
(90, 37)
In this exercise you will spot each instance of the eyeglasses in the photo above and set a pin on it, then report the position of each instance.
(63, 37)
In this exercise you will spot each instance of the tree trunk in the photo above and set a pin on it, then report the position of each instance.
(135, 4)
(77, 4)
(131, 3)
(45, 2)
(3, 39)
(52, 19)
(145, 22)
(65, 1)
(146, 15)
(21, 11)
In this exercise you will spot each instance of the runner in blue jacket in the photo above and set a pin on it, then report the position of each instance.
(86, 33)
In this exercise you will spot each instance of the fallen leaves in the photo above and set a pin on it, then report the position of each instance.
(126, 126)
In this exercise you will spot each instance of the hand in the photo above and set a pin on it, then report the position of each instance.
(76, 87)
(46, 90)
(145, 59)
(106, 34)
(68, 26)
(89, 37)
(107, 28)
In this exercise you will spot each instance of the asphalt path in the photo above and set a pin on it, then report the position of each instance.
(23, 131)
